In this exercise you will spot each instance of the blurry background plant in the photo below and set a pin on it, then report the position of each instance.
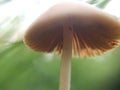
(24, 69)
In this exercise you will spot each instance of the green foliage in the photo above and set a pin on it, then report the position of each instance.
(4, 1)
(93, 1)
(99, 3)
(103, 3)
(24, 69)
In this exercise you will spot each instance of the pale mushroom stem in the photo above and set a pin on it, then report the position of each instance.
(65, 72)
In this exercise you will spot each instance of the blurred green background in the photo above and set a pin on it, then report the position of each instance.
(23, 69)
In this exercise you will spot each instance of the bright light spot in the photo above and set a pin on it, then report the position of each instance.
(113, 8)
(49, 56)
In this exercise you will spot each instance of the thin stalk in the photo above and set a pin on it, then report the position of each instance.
(65, 72)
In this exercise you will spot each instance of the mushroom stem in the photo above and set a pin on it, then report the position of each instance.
(65, 72)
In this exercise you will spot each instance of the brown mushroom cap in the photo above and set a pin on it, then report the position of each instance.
(94, 31)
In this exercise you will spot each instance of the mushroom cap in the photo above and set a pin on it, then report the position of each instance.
(94, 31)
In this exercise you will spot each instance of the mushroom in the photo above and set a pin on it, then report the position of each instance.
(73, 28)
